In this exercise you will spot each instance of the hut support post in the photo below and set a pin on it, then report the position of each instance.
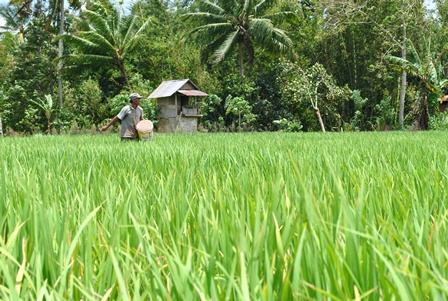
(178, 112)
(175, 103)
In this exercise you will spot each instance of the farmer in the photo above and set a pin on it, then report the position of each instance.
(129, 116)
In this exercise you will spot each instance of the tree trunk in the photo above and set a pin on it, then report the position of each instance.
(319, 117)
(425, 113)
(124, 74)
(241, 58)
(402, 97)
(61, 50)
(251, 58)
(403, 79)
(239, 122)
(48, 125)
(421, 110)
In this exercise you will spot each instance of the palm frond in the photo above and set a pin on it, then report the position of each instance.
(261, 29)
(225, 47)
(89, 44)
(126, 27)
(203, 17)
(99, 42)
(134, 34)
(212, 7)
(209, 32)
(282, 41)
(246, 8)
(207, 50)
(123, 26)
(87, 59)
(282, 16)
(269, 36)
(78, 42)
(98, 23)
(80, 24)
(11, 21)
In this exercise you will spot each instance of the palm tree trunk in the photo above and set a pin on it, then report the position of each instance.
(61, 50)
(251, 57)
(241, 58)
(402, 97)
(124, 74)
(403, 79)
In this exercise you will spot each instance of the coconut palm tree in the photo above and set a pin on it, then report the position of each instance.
(223, 25)
(14, 21)
(427, 71)
(106, 36)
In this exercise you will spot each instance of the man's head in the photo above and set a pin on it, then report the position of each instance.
(134, 96)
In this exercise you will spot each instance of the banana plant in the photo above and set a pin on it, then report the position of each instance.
(427, 70)
(47, 108)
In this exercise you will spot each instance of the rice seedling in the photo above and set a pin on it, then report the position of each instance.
(260, 216)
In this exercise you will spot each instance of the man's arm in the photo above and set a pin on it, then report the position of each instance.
(115, 119)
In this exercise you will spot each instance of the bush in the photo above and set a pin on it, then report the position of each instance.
(438, 121)
(289, 126)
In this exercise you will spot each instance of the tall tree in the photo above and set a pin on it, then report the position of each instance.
(315, 86)
(426, 69)
(60, 53)
(440, 27)
(15, 21)
(23, 10)
(223, 25)
(32, 76)
(407, 16)
(50, 8)
(104, 35)
(369, 31)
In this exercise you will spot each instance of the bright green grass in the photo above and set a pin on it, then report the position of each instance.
(269, 216)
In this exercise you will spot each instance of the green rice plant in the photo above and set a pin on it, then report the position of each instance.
(246, 216)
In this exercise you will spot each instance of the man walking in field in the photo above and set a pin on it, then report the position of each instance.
(129, 116)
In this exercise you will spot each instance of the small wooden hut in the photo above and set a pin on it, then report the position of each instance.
(178, 103)
(443, 103)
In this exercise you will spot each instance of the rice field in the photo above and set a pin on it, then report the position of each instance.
(261, 216)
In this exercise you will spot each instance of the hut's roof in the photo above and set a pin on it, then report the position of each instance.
(183, 86)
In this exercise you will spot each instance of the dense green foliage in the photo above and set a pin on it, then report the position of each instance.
(252, 216)
(249, 50)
